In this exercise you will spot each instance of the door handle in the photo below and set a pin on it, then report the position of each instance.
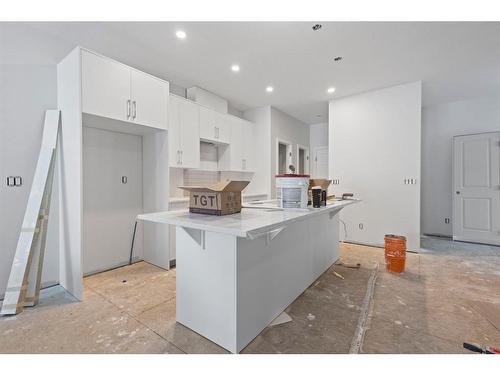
(134, 106)
(128, 108)
(457, 192)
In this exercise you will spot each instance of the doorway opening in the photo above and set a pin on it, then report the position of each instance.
(283, 156)
(302, 159)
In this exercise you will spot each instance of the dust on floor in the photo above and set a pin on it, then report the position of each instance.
(440, 301)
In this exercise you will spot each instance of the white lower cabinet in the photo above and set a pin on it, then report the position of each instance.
(184, 133)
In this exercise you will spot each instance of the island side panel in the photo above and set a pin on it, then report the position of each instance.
(205, 285)
(324, 231)
(272, 274)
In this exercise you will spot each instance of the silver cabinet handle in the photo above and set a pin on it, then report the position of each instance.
(128, 108)
(134, 106)
(178, 157)
(182, 161)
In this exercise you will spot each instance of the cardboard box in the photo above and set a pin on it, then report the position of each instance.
(219, 199)
(319, 182)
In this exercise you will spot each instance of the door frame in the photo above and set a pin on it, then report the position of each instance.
(288, 151)
(307, 166)
(456, 237)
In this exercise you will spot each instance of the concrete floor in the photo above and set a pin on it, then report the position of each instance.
(450, 293)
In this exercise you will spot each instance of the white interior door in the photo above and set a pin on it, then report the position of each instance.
(476, 195)
(110, 203)
(320, 162)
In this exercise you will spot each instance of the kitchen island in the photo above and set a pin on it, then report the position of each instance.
(237, 273)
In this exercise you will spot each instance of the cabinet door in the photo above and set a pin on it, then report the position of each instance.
(174, 134)
(208, 126)
(214, 126)
(248, 146)
(223, 125)
(236, 146)
(149, 99)
(105, 87)
(189, 134)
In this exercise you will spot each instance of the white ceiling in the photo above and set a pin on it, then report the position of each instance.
(454, 60)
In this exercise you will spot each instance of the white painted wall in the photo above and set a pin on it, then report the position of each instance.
(374, 141)
(318, 135)
(289, 129)
(26, 91)
(439, 124)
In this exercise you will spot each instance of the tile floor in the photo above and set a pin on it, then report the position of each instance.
(450, 293)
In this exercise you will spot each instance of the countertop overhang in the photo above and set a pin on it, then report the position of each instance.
(249, 223)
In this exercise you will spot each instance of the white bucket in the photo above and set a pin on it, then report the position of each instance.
(291, 190)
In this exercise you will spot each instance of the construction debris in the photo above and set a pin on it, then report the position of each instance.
(339, 275)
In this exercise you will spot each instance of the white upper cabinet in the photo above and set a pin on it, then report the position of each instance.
(248, 146)
(105, 87)
(238, 156)
(149, 97)
(214, 126)
(184, 133)
(111, 89)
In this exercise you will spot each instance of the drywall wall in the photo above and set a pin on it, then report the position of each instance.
(374, 145)
(289, 129)
(439, 124)
(261, 179)
(318, 135)
(26, 92)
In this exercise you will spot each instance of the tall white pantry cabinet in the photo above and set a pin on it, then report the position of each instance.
(97, 92)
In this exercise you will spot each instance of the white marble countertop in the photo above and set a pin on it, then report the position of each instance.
(186, 199)
(250, 222)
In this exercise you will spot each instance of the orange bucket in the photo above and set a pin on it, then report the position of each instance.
(395, 263)
(395, 253)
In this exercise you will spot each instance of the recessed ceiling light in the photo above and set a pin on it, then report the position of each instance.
(269, 88)
(180, 34)
(331, 90)
(235, 68)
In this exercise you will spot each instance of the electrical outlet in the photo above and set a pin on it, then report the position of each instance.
(124, 179)
(447, 220)
(14, 181)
